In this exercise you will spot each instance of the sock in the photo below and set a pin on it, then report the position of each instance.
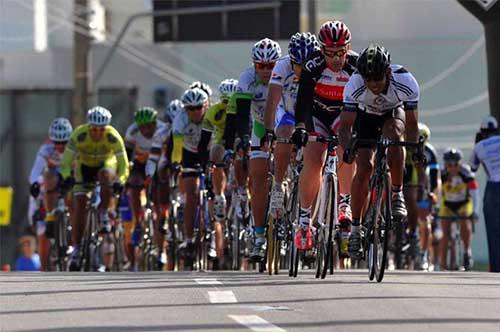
(304, 216)
(259, 231)
(397, 189)
(356, 225)
(345, 199)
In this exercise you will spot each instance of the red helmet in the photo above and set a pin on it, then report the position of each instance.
(334, 33)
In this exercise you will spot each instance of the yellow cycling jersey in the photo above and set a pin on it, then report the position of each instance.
(215, 122)
(95, 153)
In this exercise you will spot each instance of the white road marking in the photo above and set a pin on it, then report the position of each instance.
(255, 323)
(210, 281)
(222, 297)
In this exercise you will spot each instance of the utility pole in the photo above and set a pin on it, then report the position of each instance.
(81, 48)
(488, 13)
(311, 14)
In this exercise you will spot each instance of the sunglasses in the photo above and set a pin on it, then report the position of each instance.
(331, 54)
(453, 164)
(60, 143)
(263, 66)
(193, 108)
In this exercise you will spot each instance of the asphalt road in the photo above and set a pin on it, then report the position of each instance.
(240, 301)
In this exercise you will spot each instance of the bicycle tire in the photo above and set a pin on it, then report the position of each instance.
(332, 220)
(382, 228)
(320, 252)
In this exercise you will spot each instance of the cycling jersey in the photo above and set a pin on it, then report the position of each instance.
(95, 154)
(214, 121)
(487, 152)
(141, 145)
(284, 76)
(456, 188)
(47, 158)
(403, 90)
(321, 90)
(186, 136)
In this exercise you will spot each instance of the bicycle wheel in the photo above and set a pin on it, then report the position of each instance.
(89, 243)
(320, 251)
(382, 227)
(276, 249)
(332, 214)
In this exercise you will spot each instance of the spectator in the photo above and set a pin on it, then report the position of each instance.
(29, 260)
(487, 152)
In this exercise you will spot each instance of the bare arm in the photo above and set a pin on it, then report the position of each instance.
(273, 98)
(412, 125)
(347, 120)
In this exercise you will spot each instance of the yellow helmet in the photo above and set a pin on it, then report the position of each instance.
(424, 131)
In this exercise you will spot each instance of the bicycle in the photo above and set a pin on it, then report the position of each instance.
(90, 250)
(455, 244)
(378, 216)
(59, 243)
(147, 248)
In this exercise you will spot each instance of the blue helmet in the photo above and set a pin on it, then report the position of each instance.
(301, 46)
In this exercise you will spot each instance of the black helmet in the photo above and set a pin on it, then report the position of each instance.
(453, 155)
(373, 61)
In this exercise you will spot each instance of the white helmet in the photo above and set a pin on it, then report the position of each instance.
(173, 108)
(204, 86)
(489, 123)
(266, 50)
(194, 97)
(60, 130)
(98, 116)
(227, 87)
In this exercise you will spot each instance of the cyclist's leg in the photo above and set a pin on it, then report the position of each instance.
(51, 183)
(466, 232)
(310, 176)
(259, 168)
(136, 181)
(425, 229)
(285, 125)
(345, 173)
(190, 183)
(219, 186)
(394, 128)
(445, 215)
(106, 177)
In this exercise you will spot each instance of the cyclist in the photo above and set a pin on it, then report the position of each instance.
(214, 124)
(319, 102)
(95, 152)
(427, 199)
(280, 109)
(46, 171)
(144, 140)
(383, 99)
(186, 130)
(174, 107)
(249, 101)
(459, 198)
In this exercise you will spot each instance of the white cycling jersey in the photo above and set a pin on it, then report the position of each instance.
(250, 83)
(190, 131)
(487, 152)
(47, 158)
(403, 90)
(142, 145)
(284, 76)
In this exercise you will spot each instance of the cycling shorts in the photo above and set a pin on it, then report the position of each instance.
(449, 210)
(86, 176)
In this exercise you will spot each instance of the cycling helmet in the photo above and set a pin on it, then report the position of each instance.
(145, 115)
(424, 131)
(334, 33)
(301, 46)
(60, 130)
(205, 87)
(227, 87)
(98, 116)
(194, 97)
(174, 107)
(452, 154)
(373, 61)
(266, 50)
(489, 123)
